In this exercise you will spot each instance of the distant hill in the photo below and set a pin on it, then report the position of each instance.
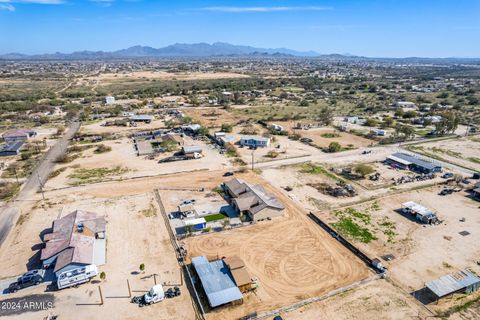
(175, 50)
(222, 49)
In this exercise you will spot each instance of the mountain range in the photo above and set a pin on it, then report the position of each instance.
(222, 49)
(176, 50)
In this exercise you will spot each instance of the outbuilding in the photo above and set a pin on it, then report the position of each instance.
(254, 141)
(11, 149)
(197, 223)
(188, 150)
(460, 282)
(413, 163)
(217, 282)
(18, 134)
(420, 213)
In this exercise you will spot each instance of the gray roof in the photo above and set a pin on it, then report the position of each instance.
(256, 138)
(217, 281)
(252, 198)
(191, 149)
(452, 283)
(236, 186)
(417, 161)
(12, 147)
(142, 117)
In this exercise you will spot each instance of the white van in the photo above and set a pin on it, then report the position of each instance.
(76, 276)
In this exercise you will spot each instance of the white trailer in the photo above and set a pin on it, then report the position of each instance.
(76, 276)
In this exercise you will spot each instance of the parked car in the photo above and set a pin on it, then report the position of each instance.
(188, 201)
(28, 279)
(447, 175)
(228, 174)
(446, 191)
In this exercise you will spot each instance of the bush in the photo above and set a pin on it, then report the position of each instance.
(226, 127)
(334, 147)
(363, 169)
(102, 149)
(103, 275)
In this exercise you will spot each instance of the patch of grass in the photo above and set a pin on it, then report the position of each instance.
(364, 217)
(388, 228)
(447, 152)
(474, 303)
(95, 175)
(8, 190)
(101, 148)
(316, 169)
(272, 154)
(474, 160)
(375, 206)
(56, 173)
(151, 211)
(330, 135)
(350, 229)
(214, 217)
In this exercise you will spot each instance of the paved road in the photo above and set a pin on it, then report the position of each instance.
(10, 211)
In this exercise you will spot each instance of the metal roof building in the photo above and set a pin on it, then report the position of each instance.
(191, 149)
(414, 163)
(12, 148)
(464, 280)
(217, 281)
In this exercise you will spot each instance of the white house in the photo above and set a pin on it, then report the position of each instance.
(109, 100)
(254, 141)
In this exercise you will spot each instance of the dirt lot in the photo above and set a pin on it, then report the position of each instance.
(212, 117)
(376, 300)
(133, 237)
(463, 151)
(316, 134)
(292, 258)
(162, 75)
(309, 197)
(123, 156)
(98, 128)
(412, 244)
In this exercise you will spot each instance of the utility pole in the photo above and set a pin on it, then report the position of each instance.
(41, 186)
(253, 159)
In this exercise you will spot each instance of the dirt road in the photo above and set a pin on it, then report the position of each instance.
(10, 211)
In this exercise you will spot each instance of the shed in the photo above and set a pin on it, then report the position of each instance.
(239, 272)
(11, 149)
(191, 149)
(420, 212)
(462, 281)
(217, 282)
(414, 163)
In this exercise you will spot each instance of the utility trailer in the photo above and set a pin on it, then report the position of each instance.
(76, 276)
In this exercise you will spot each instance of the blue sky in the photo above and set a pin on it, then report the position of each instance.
(388, 28)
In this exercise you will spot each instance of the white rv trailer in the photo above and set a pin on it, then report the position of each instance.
(76, 276)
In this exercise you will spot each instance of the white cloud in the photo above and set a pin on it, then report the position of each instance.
(263, 9)
(6, 7)
(103, 3)
(34, 1)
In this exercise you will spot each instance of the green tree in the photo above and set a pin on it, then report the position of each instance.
(363, 169)
(334, 147)
(227, 127)
(325, 116)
